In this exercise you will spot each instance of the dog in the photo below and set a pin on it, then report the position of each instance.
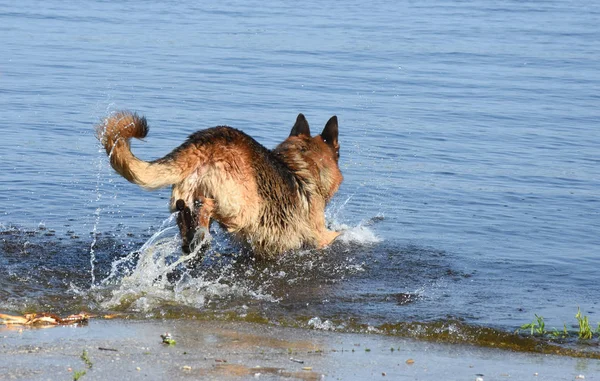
(270, 200)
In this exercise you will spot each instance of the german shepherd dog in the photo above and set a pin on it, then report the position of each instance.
(270, 200)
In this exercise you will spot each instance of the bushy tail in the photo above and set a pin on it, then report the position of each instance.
(114, 133)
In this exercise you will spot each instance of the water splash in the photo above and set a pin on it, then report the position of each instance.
(100, 166)
(359, 234)
(97, 213)
(318, 324)
(157, 277)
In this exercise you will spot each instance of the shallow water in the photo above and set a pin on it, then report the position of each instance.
(469, 149)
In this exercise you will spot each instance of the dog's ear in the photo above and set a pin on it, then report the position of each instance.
(330, 132)
(300, 127)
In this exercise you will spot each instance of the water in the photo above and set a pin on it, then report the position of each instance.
(470, 150)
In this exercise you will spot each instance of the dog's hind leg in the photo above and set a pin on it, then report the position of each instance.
(197, 241)
(194, 224)
(187, 225)
(205, 212)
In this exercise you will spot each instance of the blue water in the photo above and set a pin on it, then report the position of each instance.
(470, 147)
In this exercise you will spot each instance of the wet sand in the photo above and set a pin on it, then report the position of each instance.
(124, 349)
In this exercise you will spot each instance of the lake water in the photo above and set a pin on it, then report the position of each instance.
(470, 148)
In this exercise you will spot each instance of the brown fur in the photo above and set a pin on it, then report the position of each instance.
(274, 200)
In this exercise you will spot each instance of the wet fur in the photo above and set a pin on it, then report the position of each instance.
(272, 200)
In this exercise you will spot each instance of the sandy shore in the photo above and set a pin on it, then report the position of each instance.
(122, 349)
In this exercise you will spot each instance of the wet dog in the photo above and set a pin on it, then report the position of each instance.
(271, 200)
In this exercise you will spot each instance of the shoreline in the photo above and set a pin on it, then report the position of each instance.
(133, 349)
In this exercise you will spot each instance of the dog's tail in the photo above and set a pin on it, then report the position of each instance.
(114, 133)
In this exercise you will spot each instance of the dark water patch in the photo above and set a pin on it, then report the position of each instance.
(340, 280)
(375, 287)
(42, 267)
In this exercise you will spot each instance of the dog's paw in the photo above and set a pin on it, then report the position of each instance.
(180, 205)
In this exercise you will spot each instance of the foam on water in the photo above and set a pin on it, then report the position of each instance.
(359, 234)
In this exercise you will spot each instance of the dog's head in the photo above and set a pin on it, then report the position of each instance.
(318, 154)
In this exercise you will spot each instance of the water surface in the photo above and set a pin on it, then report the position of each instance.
(469, 135)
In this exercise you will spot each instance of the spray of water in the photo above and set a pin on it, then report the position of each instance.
(97, 213)
(158, 275)
(361, 233)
